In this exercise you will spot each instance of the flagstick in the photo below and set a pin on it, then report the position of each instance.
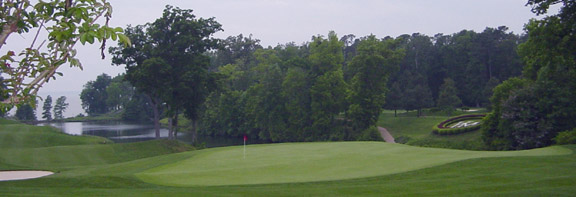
(244, 148)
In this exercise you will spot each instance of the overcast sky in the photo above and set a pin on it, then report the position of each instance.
(283, 21)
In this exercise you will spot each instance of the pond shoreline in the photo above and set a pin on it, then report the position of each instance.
(126, 132)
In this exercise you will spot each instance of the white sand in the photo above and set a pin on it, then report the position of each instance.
(21, 175)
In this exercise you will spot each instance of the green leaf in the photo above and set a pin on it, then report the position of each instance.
(90, 39)
(83, 39)
(124, 39)
(118, 29)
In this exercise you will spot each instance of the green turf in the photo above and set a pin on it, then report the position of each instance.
(309, 162)
(28, 136)
(31, 147)
(113, 170)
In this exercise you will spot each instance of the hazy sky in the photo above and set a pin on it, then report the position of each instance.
(283, 21)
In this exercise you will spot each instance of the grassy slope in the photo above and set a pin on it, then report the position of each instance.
(30, 147)
(412, 130)
(521, 176)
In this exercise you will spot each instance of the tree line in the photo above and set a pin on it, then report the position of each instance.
(26, 112)
(331, 88)
(300, 93)
(114, 95)
(334, 88)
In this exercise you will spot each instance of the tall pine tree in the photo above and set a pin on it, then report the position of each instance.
(47, 108)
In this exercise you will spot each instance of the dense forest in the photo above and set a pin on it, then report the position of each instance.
(334, 88)
(286, 94)
(331, 88)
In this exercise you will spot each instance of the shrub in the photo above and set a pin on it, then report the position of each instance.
(566, 137)
(370, 134)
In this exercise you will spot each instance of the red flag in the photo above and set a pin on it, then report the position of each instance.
(245, 138)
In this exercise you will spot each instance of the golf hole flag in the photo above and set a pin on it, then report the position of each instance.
(245, 138)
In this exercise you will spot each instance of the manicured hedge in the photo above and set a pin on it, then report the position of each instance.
(442, 129)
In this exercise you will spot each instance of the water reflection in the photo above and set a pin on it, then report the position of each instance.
(129, 132)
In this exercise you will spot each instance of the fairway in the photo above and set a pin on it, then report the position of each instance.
(311, 162)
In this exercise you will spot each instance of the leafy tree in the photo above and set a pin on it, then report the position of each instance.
(66, 23)
(94, 95)
(137, 109)
(417, 94)
(326, 54)
(328, 91)
(448, 97)
(25, 112)
(119, 92)
(296, 91)
(60, 107)
(394, 98)
(489, 89)
(47, 107)
(422, 96)
(493, 134)
(269, 111)
(328, 99)
(372, 66)
(236, 50)
(175, 44)
(528, 113)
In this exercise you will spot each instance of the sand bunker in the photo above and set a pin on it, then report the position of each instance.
(22, 175)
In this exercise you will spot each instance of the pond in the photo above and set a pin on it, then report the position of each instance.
(121, 132)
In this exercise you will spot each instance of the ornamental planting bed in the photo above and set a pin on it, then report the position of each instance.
(459, 124)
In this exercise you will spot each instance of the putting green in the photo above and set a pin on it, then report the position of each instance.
(309, 162)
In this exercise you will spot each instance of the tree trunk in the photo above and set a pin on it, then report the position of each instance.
(419, 113)
(194, 131)
(395, 113)
(174, 125)
(156, 111)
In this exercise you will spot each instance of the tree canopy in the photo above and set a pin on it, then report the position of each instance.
(529, 112)
(67, 23)
(167, 61)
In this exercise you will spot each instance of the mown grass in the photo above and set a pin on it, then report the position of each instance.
(409, 129)
(112, 116)
(32, 147)
(311, 162)
(28, 136)
(544, 175)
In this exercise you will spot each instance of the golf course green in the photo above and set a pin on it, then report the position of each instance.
(311, 162)
(94, 166)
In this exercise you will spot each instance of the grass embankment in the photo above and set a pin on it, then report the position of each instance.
(409, 129)
(393, 169)
(32, 147)
(112, 116)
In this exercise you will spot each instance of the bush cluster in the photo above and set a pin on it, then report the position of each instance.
(442, 129)
(566, 137)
